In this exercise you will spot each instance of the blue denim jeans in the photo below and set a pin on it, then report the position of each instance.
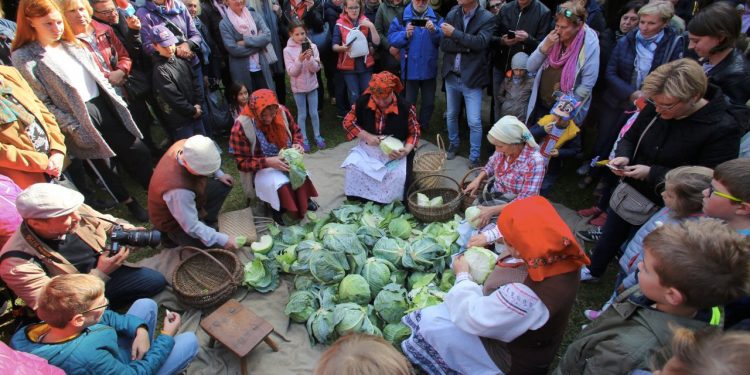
(195, 127)
(305, 102)
(185, 344)
(127, 284)
(454, 91)
(356, 83)
(427, 87)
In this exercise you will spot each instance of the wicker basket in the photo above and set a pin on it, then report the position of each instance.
(468, 200)
(429, 163)
(207, 278)
(445, 187)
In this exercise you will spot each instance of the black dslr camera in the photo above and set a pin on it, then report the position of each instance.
(135, 237)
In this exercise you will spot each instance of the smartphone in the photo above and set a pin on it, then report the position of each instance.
(306, 45)
(510, 34)
(419, 22)
(615, 167)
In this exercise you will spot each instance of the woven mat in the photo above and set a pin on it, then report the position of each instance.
(238, 223)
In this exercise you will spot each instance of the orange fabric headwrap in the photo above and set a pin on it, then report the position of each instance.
(545, 243)
(383, 84)
(276, 131)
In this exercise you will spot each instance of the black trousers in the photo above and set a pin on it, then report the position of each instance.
(132, 154)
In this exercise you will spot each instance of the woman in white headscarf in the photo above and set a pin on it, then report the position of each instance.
(516, 165)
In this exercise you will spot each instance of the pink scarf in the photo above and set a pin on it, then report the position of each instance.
(245, 25)
(568, 60)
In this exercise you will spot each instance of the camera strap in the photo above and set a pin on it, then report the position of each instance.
(42, 249)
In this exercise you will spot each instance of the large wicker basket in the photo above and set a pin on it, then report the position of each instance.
(207, 278)
(468, 200)
(445, 187)
(429, 163)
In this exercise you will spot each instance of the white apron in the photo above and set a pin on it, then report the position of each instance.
(370, 174)
(267, 182)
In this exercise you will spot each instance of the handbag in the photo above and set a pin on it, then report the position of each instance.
(629, 203)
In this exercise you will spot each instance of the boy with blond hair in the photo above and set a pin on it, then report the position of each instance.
(689, 271)
(81, 336)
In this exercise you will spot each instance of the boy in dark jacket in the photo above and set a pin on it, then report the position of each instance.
(178, 91)
(689, 271)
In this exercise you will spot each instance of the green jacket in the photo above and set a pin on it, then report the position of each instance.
(626, 337)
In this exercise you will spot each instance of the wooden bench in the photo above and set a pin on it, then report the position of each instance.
(239, 329)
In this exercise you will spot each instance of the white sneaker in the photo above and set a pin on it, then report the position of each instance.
(587, 277)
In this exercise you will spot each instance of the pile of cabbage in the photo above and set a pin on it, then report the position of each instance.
(360, 268)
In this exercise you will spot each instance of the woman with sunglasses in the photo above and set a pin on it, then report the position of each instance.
(685, 122)
(567, 60)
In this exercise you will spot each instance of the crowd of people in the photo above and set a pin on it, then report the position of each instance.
(661, 89)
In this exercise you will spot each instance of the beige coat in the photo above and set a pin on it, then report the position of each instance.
(46, 79)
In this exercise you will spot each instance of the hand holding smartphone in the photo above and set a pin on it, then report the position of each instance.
(306, 45)
(510, 34)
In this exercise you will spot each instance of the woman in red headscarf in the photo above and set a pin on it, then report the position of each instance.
(264, 129)
(515, 322)
(378, 114)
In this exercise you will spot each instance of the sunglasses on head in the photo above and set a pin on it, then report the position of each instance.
(567, 13)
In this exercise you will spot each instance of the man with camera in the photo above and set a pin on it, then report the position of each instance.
(61, 235)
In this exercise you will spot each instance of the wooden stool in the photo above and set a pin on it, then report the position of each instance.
(239, 329)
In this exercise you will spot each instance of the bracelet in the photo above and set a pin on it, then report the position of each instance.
(163, 332)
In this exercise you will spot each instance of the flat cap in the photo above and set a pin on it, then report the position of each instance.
(43, 201)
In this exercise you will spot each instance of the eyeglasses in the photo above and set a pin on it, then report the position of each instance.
(712, 190)
(106, 12)
(104, 306)
(356, 7)
(496, 6)
(663, 107)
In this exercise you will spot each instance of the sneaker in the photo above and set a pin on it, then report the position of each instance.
(592, 314)
(306, 147)
(452, 150)
(312, 205)
(320, 142)
(474, 164)
(599, 220)
(591, 211)
(587, 277)
(591, 235)
(138, 213)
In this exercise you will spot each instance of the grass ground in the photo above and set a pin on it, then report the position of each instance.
(565, 192)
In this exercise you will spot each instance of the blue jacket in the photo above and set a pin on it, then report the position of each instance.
(421, 50)
(95, 350)
(621, 64)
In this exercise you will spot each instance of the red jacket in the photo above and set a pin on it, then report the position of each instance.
(109, 46)
(345, 62)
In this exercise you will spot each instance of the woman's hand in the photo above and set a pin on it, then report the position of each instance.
(299, 148)
(277, 163)
(55, 163)
(486, 214)
(552, 38)
(477, 240)
(134, 23)
(638, 171)
(619, 163)
(370, 139)
(471, 188)
(117, 77)
(460, 264)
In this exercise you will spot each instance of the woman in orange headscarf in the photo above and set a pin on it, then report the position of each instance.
(371, 174)
(515, 323)
(264, 129)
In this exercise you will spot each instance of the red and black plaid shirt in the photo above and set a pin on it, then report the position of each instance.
(254, 160)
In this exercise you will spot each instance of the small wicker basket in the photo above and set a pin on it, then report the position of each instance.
(468, 200)
(429, 163)
(207, 278)
(445, 187)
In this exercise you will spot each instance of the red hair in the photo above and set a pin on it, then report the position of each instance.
(33, 9)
